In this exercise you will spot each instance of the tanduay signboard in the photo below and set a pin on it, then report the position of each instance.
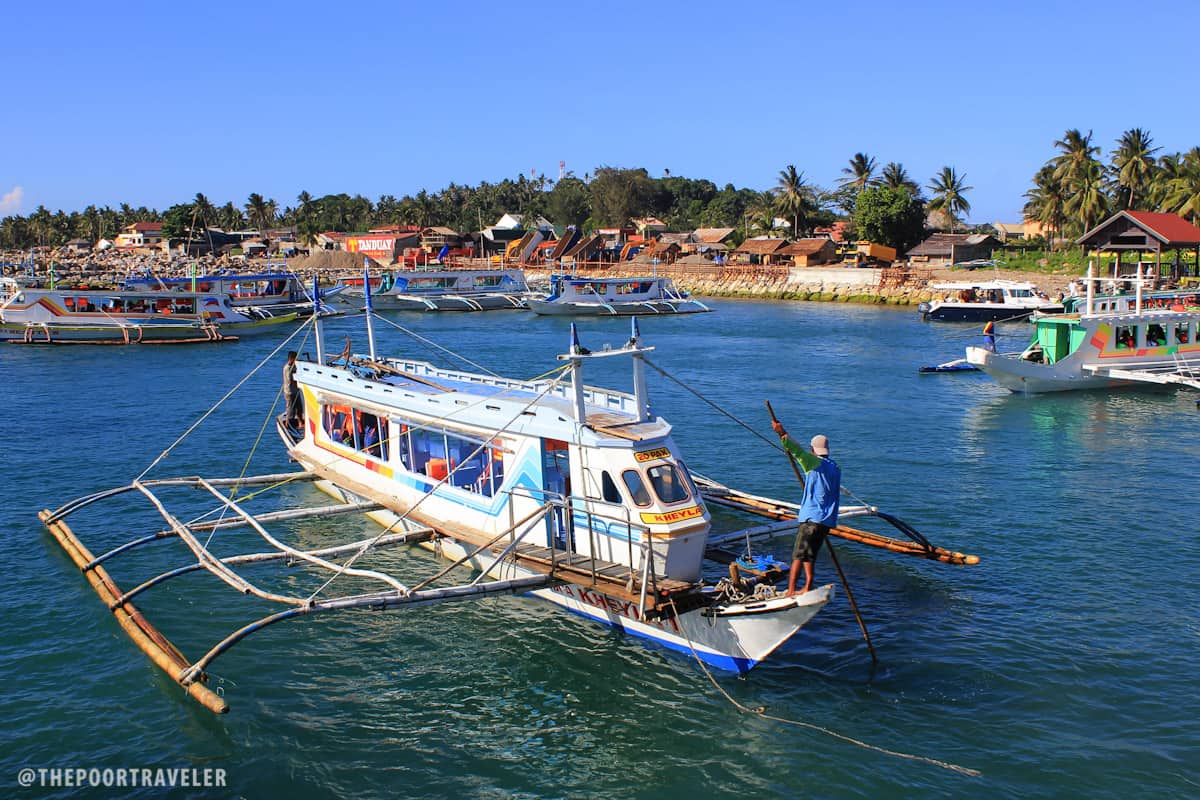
(377, 246)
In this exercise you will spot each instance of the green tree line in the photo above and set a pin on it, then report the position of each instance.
(1070, 194)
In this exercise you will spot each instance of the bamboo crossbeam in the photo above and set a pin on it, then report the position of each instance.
(375, 543)
(290, 514)
(151, 642)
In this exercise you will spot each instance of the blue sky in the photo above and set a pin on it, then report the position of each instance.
(150, 103)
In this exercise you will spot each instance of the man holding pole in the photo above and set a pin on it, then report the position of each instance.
(819, 507)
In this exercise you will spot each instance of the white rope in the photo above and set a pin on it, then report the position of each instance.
(217, 405)
(403, 517)
(761, 711)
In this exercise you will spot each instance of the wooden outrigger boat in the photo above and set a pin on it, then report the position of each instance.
(442, 290)
(68, 315)
(572, 295)
(573, 493)
(1106, 345)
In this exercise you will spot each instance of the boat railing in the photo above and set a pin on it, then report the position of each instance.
(587, 506)
(605, 398)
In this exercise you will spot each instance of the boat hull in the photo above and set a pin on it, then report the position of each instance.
(1027, 377)
(649, 307)
(981, 312)
(734, 638)
(445, 302)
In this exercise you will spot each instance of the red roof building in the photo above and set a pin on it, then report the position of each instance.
(1143, 232)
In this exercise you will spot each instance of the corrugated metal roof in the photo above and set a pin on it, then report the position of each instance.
(761, 247)
(807, 247)
(1171, 229)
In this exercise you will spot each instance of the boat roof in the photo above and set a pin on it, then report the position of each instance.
(463, 398)
(993, 284)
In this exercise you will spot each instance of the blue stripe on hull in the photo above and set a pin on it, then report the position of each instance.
(739, 665)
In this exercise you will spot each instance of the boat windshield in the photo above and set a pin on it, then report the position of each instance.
(667, 484)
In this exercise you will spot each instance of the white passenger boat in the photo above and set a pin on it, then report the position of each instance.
(37, 315)
(984, 301)
(1101, 348)
(443, 290)
(275, 291)
(573, 295)
(546, 477)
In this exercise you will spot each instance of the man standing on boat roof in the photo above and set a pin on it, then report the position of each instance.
(819, 507)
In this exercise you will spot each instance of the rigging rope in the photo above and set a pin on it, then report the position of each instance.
(761, 711)
(403, 517)
(217, 405)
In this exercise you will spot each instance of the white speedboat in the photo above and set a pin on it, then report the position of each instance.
(443, 290)
(574, 295)
(984, 301)
(1101, 348)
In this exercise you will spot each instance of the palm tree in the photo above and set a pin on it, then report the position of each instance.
(1046, 203)
(948, 188)
(1184, 196)
(793, 197)
(1133, 163)
(257, 211)
(860, 174)
(1086, 200)
(894, 176)
(1077, 151)
(1169, 168)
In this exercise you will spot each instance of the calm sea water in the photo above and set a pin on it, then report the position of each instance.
(1063, 665)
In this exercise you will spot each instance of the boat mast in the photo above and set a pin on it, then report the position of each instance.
(1137, 302)
(367, 296)
(1091, 287)
(575, 354)
(317, 319)
(640, 395)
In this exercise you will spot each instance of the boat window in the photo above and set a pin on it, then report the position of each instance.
(1155, 335)
(637, 489)
(338, 425)
(687, 477)
(1181, 333)
(667, 483)
(464, 462)
(609, 488)
(1125, 337)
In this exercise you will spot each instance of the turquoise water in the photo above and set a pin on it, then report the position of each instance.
(1063, 665)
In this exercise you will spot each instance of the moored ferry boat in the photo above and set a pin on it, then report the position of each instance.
(540, 477)
(272, 291)
(97, 315)
(1101, 346)
(443, 290)
(587, 296)
(986, 301)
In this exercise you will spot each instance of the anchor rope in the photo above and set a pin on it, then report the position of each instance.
(761, 711)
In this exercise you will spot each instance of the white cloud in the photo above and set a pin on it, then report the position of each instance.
(10, 202)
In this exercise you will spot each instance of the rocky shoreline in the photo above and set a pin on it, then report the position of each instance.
(818, 284)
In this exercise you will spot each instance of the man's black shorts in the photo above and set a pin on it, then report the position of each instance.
(809, 540)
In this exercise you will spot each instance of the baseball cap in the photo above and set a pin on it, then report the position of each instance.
(819, 445)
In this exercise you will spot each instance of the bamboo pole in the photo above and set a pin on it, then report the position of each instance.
(148, 639)
(832, 554)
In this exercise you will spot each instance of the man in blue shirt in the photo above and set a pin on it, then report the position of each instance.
(819, 507)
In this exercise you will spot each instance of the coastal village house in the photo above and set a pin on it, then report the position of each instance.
(140, 234)
(1130, 234)
(943, 249)
(810, 252)
(764, 251)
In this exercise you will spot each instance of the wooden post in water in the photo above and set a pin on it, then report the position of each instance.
(832, 555)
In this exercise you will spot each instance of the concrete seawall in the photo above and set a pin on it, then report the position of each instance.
(833, 284)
